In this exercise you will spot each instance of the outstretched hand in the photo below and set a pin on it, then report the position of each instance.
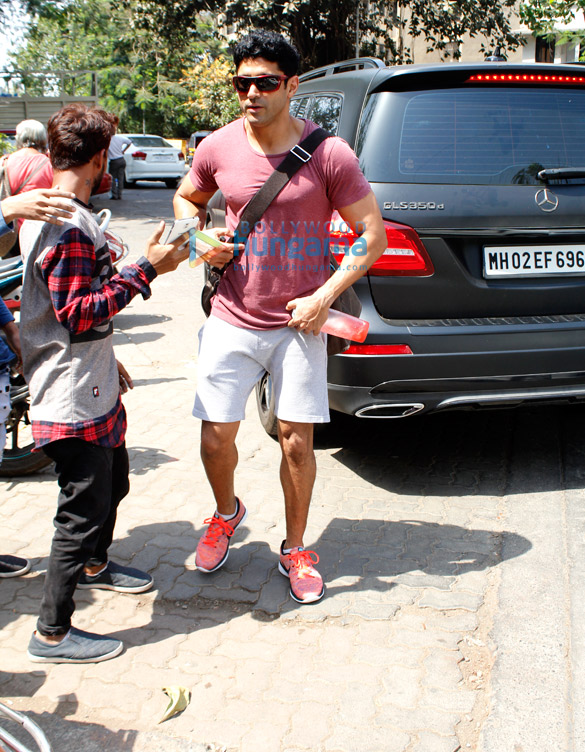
(166, 258)
(44, 204)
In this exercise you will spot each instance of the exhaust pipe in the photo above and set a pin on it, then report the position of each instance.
(401, 410)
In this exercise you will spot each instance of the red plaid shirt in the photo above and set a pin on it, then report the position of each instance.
(108, 430)
(68, 269)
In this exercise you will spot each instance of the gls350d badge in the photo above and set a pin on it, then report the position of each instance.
(417, 205)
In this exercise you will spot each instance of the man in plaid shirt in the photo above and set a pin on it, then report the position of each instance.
(71, 293)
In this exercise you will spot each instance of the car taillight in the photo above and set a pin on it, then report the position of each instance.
(524, 78)
(181, 156)
(139, 155)
(404, 256)
(377, 350)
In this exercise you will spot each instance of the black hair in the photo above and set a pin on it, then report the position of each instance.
(271, 46)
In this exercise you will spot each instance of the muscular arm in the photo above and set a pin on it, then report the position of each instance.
(311, 312)
(190, 202)
(364, 213)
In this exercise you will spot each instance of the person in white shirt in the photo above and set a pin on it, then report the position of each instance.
(117, 164)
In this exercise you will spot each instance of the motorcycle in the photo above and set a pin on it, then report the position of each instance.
(19, 458)
(8, 743)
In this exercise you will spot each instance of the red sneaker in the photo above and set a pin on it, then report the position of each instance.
(213, 548)
(306, 584)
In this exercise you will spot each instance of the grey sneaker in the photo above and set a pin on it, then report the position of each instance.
(76, 647)
(13, 566)
(116, 577)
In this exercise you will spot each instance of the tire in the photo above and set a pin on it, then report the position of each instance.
(19, 458)
(265, 405)
(171, 182)
(129, 183)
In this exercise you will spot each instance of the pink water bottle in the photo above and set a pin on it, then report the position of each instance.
(346, 326)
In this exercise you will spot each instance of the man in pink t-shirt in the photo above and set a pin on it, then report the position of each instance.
(274, 298)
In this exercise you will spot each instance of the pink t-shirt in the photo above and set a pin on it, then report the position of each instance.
(22, 163)
(287, 254)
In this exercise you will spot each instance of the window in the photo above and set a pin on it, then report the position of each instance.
(491, 136)
(151, 142)
(326, 112)
(545, 50)
(298, 107)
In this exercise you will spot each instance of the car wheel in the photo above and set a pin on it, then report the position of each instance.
(265, 405)
(171, 182)
(129, 183)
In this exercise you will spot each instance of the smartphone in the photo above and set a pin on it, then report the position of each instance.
(181, 227)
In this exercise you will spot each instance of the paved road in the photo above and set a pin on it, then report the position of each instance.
(452, 548)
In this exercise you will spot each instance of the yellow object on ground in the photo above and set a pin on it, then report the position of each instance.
(179, 698)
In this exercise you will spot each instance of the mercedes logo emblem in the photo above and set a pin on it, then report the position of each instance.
(546, 200)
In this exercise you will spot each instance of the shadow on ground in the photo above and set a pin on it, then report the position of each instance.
(360, 560)
(124, 321)
(497, 452)
(67, 735)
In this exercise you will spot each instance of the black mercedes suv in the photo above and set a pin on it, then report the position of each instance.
(479, 171)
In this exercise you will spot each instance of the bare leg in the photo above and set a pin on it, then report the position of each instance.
(297, 475)
(220, 457)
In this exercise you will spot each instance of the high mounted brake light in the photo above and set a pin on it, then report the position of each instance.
(404, 256)
(524, 78)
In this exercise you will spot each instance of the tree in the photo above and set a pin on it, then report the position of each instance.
(141, 73)
(213, 102)
(324, 31)
(542, 16)
(447, 22)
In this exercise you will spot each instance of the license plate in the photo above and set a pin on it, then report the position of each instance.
(162, 157)
(543, 261)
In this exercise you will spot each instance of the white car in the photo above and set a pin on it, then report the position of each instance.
(153, 158)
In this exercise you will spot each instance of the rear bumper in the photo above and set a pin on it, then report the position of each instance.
(460, 369)
(137, 170)
(364, 404)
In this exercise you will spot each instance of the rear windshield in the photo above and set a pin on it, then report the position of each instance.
(471, 136)
(150, 141)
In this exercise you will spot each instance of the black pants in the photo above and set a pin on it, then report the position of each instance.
(117, 169)
(93, 480)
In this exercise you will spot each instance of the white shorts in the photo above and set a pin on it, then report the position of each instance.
(232, 360)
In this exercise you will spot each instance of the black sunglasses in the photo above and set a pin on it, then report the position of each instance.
(270, 82)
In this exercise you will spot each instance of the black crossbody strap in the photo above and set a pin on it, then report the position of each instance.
(292, 163)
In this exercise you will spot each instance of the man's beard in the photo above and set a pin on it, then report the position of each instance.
(97, 180)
